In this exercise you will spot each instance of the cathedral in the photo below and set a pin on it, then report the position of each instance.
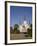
(23, 27)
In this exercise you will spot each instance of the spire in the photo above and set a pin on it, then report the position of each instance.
(29, 21)
(24, 17)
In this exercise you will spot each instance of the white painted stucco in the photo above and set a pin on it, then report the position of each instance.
(23, 29)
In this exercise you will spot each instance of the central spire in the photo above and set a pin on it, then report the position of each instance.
(24, 17)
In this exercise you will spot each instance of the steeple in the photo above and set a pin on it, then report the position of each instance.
(24, 17)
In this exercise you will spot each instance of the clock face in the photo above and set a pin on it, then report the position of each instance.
(25, 22)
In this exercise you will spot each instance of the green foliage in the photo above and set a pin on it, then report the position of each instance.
(16, 26)
(11, 30)
(30, 31)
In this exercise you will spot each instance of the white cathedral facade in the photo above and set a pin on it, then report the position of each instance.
(23, 27)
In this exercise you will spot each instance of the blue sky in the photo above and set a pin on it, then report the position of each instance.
(19, 14)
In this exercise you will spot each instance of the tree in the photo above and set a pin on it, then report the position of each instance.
(31, 26)
(30, 31)
(16, 26)
(11, 30)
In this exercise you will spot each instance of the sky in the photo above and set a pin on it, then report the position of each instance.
(19, 14)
